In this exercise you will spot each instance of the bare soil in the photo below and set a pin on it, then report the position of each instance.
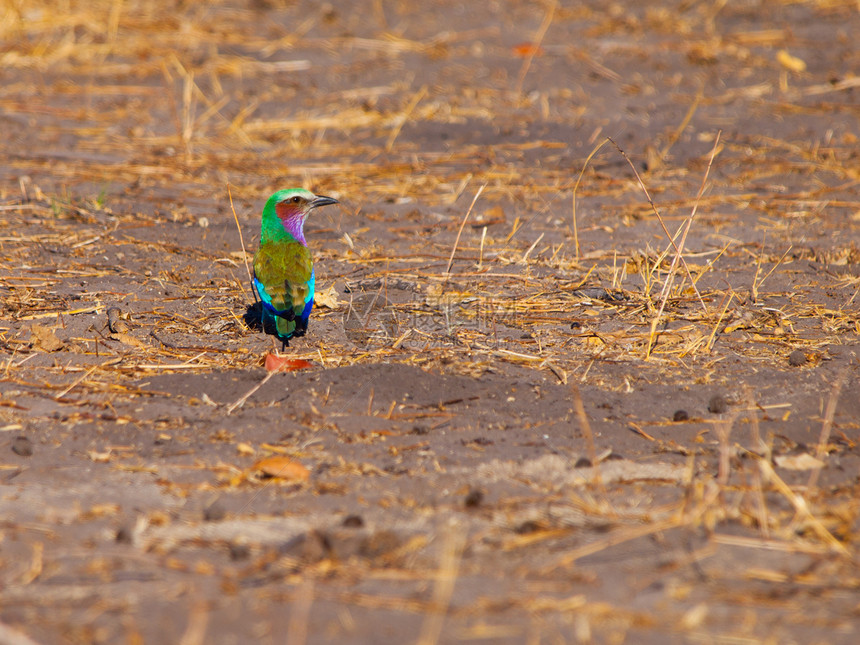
(529, 417)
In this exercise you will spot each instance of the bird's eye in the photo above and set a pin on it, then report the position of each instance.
(297, 200)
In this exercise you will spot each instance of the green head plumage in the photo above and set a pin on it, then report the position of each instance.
(285, 213)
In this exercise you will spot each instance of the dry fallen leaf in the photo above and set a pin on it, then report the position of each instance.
(803, 461)
(44, 338)
(275, 363)
(99, 457)
(327, 298)
(283, 468)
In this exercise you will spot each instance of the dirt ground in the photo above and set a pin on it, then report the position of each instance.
(528, 416)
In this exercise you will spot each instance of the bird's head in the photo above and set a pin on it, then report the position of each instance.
(288, 209)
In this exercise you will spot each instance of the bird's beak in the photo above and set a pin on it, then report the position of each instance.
(322, 200)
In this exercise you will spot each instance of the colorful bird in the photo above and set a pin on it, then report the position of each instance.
(283, 266)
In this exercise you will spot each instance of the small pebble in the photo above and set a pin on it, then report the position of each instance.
(797, 358)
(124, 535)
(680, 415)
(529, 526)
(22, 446)
(718, 404)
(582, 462)
(353, 521)
(474, 498)
(215, 512)
(239, 551)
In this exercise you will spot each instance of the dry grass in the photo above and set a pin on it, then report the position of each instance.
(171, 116)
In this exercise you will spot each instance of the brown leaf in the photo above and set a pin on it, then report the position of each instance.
(275, 363)
(44, 338)
(803, 461)
(327, 298)
(283, 468)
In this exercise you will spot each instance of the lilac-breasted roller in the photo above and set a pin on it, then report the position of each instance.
(283, 266)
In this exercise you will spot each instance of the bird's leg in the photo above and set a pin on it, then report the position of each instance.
(258, 300)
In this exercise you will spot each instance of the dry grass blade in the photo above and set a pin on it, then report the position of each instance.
(404, 117)
(801, 508)
(678, 257)
(585, 424)
(297, 632)
(683, 126)
(827, 424)
(756, 285)
(588, 159)
(241, 239)
(440, 391)
(241, 400)
(618, 537)
(679, 248)
(525, 258)
(97, 308)
(716, 327)
(760, 447)
(77, 381)
(198, 622)
(669, 236)
(533, 50)
(460, 231)
(443, 588)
